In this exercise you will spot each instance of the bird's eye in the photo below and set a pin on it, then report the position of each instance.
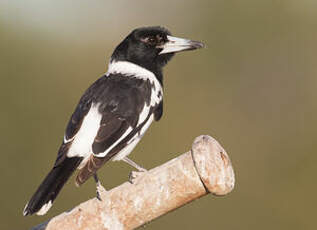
(149, 40)
(152, 40)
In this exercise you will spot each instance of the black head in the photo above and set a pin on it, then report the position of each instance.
(151, 47)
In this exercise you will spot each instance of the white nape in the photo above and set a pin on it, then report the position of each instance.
(83, 140)
(44, 208)
(132, 70)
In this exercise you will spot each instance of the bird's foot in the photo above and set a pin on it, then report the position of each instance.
(135, 175)
(100, 190)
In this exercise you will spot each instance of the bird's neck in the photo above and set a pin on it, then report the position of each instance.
(134, 70)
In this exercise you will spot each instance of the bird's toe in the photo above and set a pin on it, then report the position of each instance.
(100, 191)
(135, 175)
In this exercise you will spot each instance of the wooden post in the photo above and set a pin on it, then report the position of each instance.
(203, 170)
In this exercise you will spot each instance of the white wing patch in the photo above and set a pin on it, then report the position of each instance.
(83, 140)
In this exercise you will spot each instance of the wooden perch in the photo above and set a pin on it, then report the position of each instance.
(205, 169)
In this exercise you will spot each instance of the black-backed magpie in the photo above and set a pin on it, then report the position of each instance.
(114, 112)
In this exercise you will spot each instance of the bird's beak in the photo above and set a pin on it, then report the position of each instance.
(175, 44)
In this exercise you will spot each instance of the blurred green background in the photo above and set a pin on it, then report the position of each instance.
(253, 88)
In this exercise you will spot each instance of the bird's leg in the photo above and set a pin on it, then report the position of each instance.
(133, 164)
(100, 189)
(133, 175)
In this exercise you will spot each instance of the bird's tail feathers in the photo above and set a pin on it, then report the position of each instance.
(46, 193)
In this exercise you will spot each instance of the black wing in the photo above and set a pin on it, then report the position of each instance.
(120, 100)
(120, 105)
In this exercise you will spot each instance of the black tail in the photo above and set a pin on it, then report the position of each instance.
(45, 195)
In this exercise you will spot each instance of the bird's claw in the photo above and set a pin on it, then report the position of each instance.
(134, 175)
(100, 190)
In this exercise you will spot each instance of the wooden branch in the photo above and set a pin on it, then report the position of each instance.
(205, 169)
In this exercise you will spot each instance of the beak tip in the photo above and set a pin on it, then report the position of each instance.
(198, 45)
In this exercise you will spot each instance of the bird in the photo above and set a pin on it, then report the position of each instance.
(113, 113)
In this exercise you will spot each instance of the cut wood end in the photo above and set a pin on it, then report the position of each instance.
(213, 165)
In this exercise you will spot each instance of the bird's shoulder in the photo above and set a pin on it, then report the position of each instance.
(114, 94)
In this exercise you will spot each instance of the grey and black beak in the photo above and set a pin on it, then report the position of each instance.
(174, 45)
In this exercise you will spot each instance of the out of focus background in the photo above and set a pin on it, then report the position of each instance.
(253, 88)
